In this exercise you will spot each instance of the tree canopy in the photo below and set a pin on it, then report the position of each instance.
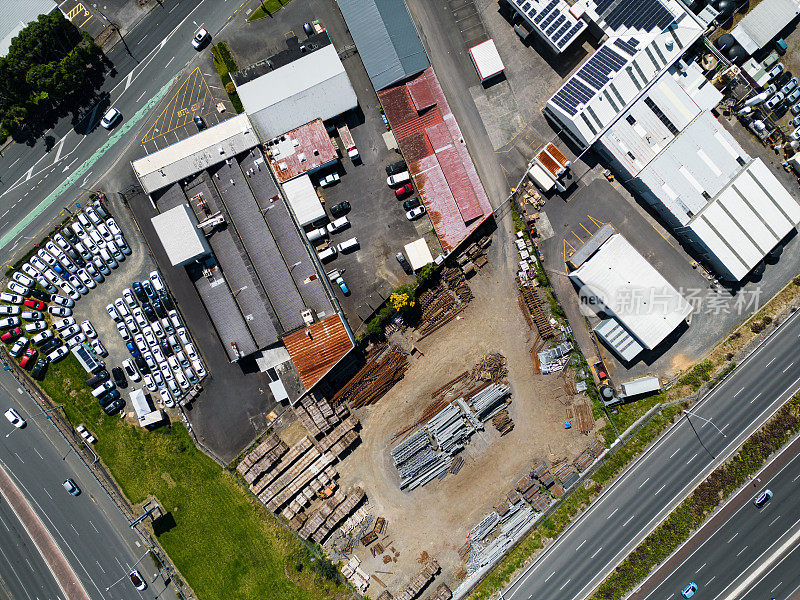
(49, 69)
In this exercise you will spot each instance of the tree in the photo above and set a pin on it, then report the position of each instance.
(401, 301)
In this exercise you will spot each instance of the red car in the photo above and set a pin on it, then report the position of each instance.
(402, 191)
(27, 360)
(34, 304)
(10, 336)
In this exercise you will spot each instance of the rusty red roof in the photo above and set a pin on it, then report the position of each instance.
(317, 348)
(301, 150)
(437, 157)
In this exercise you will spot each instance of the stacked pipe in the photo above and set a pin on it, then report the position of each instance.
(490, 400)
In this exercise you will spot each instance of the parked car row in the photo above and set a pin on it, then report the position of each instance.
(109, 398)
(162, 354)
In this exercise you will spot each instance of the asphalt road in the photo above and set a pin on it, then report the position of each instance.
(37, 185)
(753, 554)
(89, 529)
(663, 476)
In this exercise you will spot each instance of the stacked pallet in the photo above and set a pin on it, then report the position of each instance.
(262, 458)
(534, 306)
(419, 581)
(341, 431)
(542, 473)
(384, 367)
(294, 453)
(385, 595)
(442, 593)
(491, 367)
(316, 415)
(502, 422)
(354, 498)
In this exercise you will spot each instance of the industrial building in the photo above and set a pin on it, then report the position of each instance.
(760, 26)
(553, 21)
(306, 149)
(307, 81)
(226, 221)
(642, 308)
(675, 155)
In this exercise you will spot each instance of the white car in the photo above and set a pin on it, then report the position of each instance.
(35, 327)
(150, 360)
(42, 337)
(113, 227)
(62, 301)
(150, 383)
(140, 342)
(130, 299)
(59, 311)
(174, 388)
(29, 270)
(181, 379)
(795, 135)
(18, 346)
(131, 324)
(156, 282)
(62, 243)
(22, 279)
(156, 326)
(93, 216)
(70, 331)
(110, 119)
(99, 349)
(176, 320)
(183, 336)
(9, 322)
(397, 179)
(121, 307)
(190, 352)
(138, 314)
(130, 370)
(166, 398)
(11, 309)
(415, 213)
(166, 371)
(86, 279)
(181, 356)
(17, 288)
(68, 290)
(112, 312)
(200, 38)
(76, 340)
(14, 418)
(11, 298)
(198, 368)
(158, 355)
(98, 240)
(88, 329)
(28, 315)
(64, 323)
(122, 244)
(123, 332)
(774, 101)
(149, 336)
(173, 364)
(58, 354)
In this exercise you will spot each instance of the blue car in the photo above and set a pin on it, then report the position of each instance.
(689, 590)
(342, 286)
(132, 349)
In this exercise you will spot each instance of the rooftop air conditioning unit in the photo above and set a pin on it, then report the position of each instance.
(308, 316)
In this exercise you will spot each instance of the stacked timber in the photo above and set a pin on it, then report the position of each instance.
(442, 592)
(316, 414)
(354, 498)
(419, 581)
(384, 367)
(566, 473)
(341, 431)
(288, 487)
(286, 461)
(502, 422)
(317, 518)
(385, 595)
(262, 458)
(530, 299)
(541, 472)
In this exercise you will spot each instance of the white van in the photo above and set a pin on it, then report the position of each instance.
(397, 178)
(327, 254)
(102, 389)
(316, 234)
(348, 245)
(338, 224)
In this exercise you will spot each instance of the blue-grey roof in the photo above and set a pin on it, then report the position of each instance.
(386, 39)
(18, 14)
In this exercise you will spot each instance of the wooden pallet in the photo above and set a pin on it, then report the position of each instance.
(531, 301)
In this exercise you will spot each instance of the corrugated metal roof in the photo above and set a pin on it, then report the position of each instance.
(18, 14)
(486, 59)
(618, 339)
(386, 38)
(764, 22)
(632, 291)
(301, 150)
(317, 348)
(314, 86)
(303, 199)
(182, 240)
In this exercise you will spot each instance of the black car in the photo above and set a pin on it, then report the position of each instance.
(39, 369)
(139, 291)
(148, 289)
(783, 78)
(76, 258)
(198, 120)
(39, 295)
(97, 378)
(166, 348)
(119, 377)
(411, 203)
(166, 300)
(159, 308)
(340, 210)
(69, 234)
(114, 407)
(401, 258)
(50, 345)
(396, 167)
(149, 312)
(141, 364)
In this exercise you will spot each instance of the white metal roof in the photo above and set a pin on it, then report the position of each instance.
(195, 153)
(486, 59)
(139, 403)
(747, 220)
(764, 22)
(18, 14)
(311, 87)
(178, 232)
(303, 199)
(618, 339)
(632, 291)
(418, 253)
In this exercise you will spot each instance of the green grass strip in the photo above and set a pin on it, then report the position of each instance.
(266, 9)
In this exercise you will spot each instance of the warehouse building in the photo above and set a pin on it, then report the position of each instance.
(307, 81)
(642, 308)
(18, 14)
(762, 24)
(554, 22)
(675, 155)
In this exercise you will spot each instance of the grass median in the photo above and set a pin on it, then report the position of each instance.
(267, 8)
(224, 543)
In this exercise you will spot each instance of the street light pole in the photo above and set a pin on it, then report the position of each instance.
(131, 568)
(688, 412)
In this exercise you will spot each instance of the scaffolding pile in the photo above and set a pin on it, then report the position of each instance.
(532, 309)
(385, 366)
(442, 302)
(553, 360)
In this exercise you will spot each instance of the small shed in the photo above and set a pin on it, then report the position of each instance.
(303, 199)
(418, 253)
(486, 59)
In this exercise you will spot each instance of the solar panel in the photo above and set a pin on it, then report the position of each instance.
(552, 20)
(602, 5)
(557, 35)
(626, 47)
(644, 15)
(556, 24)
(576, 28)
(546, 10)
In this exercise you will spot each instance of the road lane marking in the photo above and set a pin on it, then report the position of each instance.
(629, 520)
(710, 580)
(734, 535)
(674, 453)
(755, 397)
(739, 392)
(60, 147)
(73, 529)
(101, 566)
(129, 78)
(770, 362)
(3, 521)
(596, 552)
(789, 367)
(612, 514)
(565, 585)
(659, 489)
(548, 579)
(142, 96)
(37, 452)
(48, 493)
(776, 587)
(29, 174)
(700, 569)
(170, 60)
(742, 550)
(796, 478)
(691, 459)
(579, 546)
(645, 481)
(773, 521)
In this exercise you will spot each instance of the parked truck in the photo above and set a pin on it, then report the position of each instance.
(348, 143)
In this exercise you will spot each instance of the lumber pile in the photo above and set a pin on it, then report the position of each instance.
(385, 595)
(491, 367)
(538, 499)
(317, 518)
(354, 498)
(502, 422)
(419, 581)
(587, 457)
(316, 415)
(262, 458)
(285, 462)
(455, 280)
(384, 367)
(566, 473)
(442, 592)
(441, 303)
(533, 305)
(341, 438)
(542, 473)
(581, 416)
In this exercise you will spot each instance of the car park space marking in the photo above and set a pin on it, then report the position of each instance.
(739, 392)
(37, 452)
(73, 529)
(710, 580)
(612, 514)
(776, 587)
(142, 96)
(770, 362)
(645, 481)
(579, 545)
(551, 575)
(48, 493)
(691, 459)
(19, 457)
(755, 397)
(734, 535)
(93, 527)
(101, 566)
(629, 520)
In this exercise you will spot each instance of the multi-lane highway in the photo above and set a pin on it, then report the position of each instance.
(89, 530)
(656, 482)
(37, 185)
(753, 552)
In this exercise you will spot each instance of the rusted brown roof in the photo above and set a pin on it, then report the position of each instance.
(317, 348)
(306, 148)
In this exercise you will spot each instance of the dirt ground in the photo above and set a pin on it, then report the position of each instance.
(436, 517)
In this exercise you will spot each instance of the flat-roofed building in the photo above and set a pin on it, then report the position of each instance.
(182, 239)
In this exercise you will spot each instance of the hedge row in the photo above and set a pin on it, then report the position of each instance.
(691, 513)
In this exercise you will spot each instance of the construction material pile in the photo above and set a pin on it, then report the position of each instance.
(428, 452)
(553, 360)
(442, 302)
(414, 587)
(385, 366)
(352, 570)
(262, 458)
(502, 422)
(491, 367)
(532, 310)
(581, 415)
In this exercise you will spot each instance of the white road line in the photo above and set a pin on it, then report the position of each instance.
(734, 535)
(691, 459)
(579, 546)
(596, 552)
(48, 493)
(796, 478)
(612, 514)
(37, 452)
(170, 60)
(789, 367)
(101, 566)
(20, 458)
(701, 568)
(710, 580)
(142, 96)
(739, 392)
(565, 585)
(73, 528)
(770, 362)
(742, 550)
(773, 521)
(755, 397)
(29, 174)
(93, 527)
(60, 147)
(776, 587)
(645, 481)
(551, 575)
(629, 520)
(129, 78)
(674, 453)
(659, 489)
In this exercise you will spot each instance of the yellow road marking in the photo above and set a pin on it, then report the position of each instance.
(584, 228)
(181, 108)
(576, 235)
(596, 221)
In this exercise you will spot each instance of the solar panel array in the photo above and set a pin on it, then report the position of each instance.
(628, 47)
(643, 15)
(553, 19)
(590, 78)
